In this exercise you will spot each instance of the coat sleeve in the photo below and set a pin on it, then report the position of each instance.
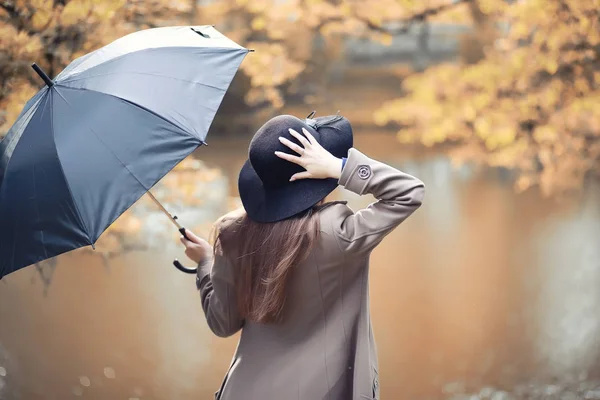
(215, 281)
(398, 195)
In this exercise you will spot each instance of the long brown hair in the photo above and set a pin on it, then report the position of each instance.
(264, 255)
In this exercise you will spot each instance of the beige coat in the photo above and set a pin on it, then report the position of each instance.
(325, 348)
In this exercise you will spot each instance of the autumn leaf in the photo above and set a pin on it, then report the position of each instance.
(259, 23)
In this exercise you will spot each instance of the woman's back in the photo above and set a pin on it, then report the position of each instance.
(322, 347)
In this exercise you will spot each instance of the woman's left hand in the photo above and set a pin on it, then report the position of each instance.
(317, 161)
(197, 249)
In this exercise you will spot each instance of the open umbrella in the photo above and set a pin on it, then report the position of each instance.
(103, 132)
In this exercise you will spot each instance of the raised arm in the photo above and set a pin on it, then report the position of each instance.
(398, 195)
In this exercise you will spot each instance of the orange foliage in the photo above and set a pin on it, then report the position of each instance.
(524, 97)
(53, 33)
(283, 34)
(530, 104)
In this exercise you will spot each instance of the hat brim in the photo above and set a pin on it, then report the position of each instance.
(270, 205)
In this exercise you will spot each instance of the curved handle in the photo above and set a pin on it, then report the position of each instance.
(178, 264)
(182, 268)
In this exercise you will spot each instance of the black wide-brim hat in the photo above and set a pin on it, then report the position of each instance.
(264, 186)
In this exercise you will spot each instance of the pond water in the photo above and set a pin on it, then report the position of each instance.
(481, 293)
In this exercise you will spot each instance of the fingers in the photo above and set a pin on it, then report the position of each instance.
(292, 145)
(300, 138)
(191, 240)
(289, 157)
(188, 244)
(301, 175)
(309, 136)
(192, 237)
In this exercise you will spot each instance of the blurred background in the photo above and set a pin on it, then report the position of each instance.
(490, 291)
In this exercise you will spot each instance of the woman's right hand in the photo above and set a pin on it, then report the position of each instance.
(318, 162)
(197, 249)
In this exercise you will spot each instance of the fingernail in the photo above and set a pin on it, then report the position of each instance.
(280, 139)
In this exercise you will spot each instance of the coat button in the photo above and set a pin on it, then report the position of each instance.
(364, 172)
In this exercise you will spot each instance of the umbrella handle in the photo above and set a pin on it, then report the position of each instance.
(182, 268)
(178, 264)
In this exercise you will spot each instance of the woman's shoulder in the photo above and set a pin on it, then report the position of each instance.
(333, 206)
(230, 219)
(334, 210)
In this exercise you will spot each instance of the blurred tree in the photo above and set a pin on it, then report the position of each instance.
(54, 32)
(521, 97)
(296, 40)
(526, 97)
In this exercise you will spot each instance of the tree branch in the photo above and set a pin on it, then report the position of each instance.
(10, 8)
(407, 22)
(17, 19)
(419, 17)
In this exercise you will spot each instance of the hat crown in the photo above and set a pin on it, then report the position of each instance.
(274, 171)
(263, 183)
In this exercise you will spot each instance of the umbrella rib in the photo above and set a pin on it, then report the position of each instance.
(63, 171)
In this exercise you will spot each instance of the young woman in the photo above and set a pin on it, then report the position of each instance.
(291, 271)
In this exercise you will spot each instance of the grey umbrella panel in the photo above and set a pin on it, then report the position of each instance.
(183, 85)
(44, 220)
(174, 72)
(8, 144)
(108, 128)
(134, 148)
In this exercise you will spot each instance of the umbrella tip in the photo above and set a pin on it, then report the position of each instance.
(251, 50)
(49, 82)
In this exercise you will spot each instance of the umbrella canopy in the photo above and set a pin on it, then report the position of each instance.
(99, 136)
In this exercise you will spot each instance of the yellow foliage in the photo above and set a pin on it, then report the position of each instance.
(533, 99)
(13, 102)
(259, 23)
(545, 134)
(265, 25)
(510, 155)
(534, 85)
(75, 11)
(53, 34)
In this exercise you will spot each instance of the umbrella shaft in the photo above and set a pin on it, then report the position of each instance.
(42, 75)
(163, 209)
